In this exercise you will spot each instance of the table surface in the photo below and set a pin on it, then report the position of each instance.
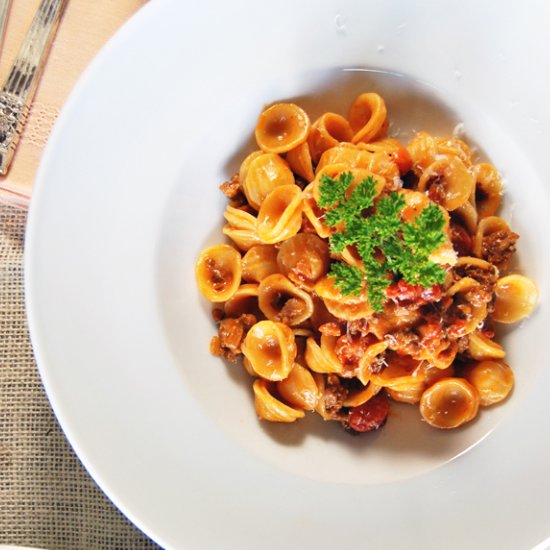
(47, 499)
(85, 27)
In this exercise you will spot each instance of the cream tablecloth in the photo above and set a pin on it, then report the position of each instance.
(85, 27)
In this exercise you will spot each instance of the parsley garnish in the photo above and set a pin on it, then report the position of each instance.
(388, 245)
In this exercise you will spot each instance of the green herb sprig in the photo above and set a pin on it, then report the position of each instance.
(388, 245)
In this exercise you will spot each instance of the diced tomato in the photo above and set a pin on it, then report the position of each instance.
(405, 293)
(430, 330)
(488, 330)
(457, 328)
(371, 415)
(436, 191)
(350, 348)
(331, 329)
(402, 291)
(431, 293)
(403, 160)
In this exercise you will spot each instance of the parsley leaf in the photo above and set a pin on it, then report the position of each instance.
(342, 208)
(377, 279)
(332, 191)
(362, 197)
(349, 279)
(424, 234)
(338, 242)
(388, 245)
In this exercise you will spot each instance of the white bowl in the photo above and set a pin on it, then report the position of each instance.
(126, 198)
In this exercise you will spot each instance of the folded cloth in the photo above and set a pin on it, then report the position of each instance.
(85, 27)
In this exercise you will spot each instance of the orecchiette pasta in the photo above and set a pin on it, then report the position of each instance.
(422, 149)
(245, 300)
(349, 308)
(270, 408)
(280, 215)
(488, 189)
(372, 354)
(282, 127)
(386, 164)
(299, 389)
(259, 262)
(447, 182)
(515, 298)
(482, 347)
(467, 215)
(410, 395)
(313, 213)
(454, 147)
(270, 348)
(243, 170)
(299, 160)
(442, 356)
(296, 296)
(449, 403)
(493, 381)
(361, 396)
(304, 259)
(264, 173)
(494, 241)
(281, 300)
(218, 272)
(320, 360)
(368, 118)
(241, 228)
(328, 131)
(346, 155)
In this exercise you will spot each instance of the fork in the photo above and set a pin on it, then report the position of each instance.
(18, 91)
(4, 8)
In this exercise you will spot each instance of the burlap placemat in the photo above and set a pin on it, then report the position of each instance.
(47, 499)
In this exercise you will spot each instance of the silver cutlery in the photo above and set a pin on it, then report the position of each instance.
(17, 93)
(4, 8)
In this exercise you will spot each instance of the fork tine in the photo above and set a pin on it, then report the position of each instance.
(4, 9)
(17, 92)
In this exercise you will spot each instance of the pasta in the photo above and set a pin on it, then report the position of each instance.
(363, 271)
(299, 389)
(328, 131)
(368, 118)
(281, 300)
(262, 175)
(448, 182)
(218, 272)
(449, 403)
(259, 262)
(270, 408)
(280, 215)
(270, 349)
(282, 127)
(304, 259)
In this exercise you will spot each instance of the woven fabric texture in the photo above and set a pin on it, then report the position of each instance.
(47, 499)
